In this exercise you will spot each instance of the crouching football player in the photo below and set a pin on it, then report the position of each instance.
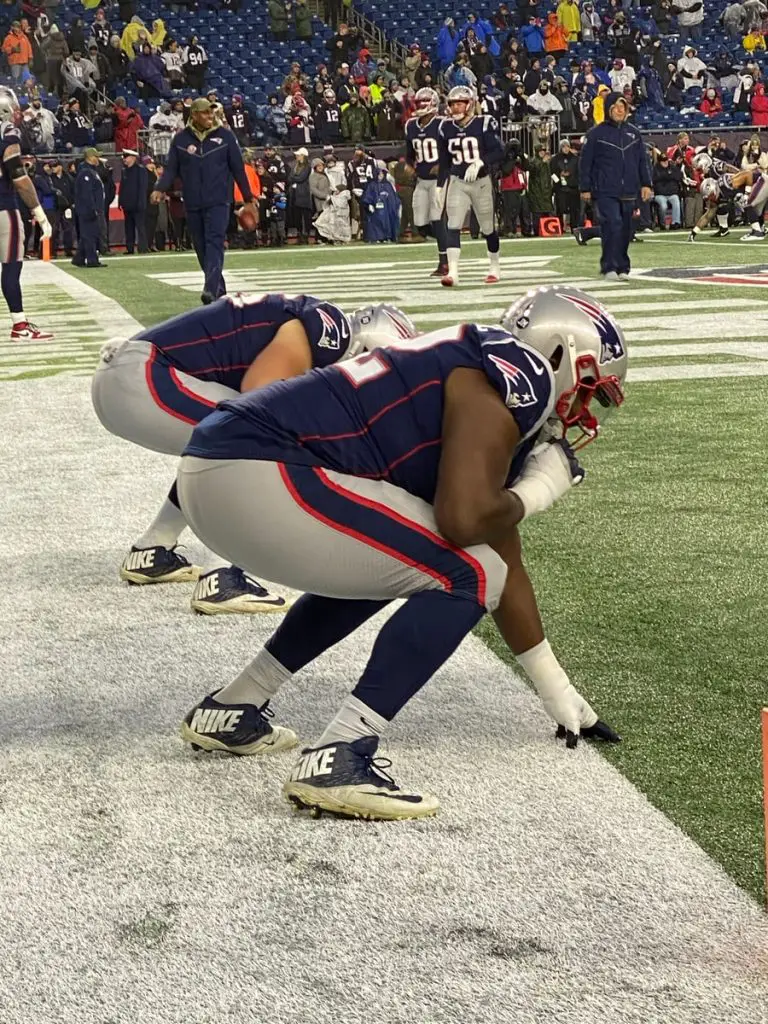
(402, 473)
(154, 388)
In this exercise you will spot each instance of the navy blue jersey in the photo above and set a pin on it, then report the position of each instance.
(422, 147)
(220, 341)
(464, 144)
(380, 415)
(9, 136)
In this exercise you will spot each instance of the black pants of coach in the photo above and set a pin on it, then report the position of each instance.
(135, 230)
(615, 233)
(208, 230)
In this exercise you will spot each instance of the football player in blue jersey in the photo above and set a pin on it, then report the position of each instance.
(402, 473)
(423, 153)
(154, 388)
(470, 148)
(16, 184)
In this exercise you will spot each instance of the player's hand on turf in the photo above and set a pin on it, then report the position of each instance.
(576, 718)
(473, 170)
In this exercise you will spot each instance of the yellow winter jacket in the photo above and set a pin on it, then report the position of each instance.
(569, 17)
(598, 104)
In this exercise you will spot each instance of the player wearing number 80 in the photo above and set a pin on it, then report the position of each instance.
(422, 152)
(470, 148)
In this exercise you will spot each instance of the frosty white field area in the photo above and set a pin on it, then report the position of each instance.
(143, 884)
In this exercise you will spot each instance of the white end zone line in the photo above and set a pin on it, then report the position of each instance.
(106, 311)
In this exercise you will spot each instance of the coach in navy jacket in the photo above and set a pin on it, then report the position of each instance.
(615, 173)
(206, 159)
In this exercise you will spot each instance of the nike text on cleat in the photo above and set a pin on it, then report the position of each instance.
(346, 780)
(230, 592)
(491, 279)
(157, 565)
(29, 332)
(234, 728)
(448, 281)
(442, 270)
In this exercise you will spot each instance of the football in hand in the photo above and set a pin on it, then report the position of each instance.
(246, 218)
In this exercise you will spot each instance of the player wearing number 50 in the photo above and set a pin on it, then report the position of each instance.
(15, 183)
(613, 171)
(402, 473)
(470, 148)
(206, 158)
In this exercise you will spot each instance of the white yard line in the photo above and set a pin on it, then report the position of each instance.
(143, 883)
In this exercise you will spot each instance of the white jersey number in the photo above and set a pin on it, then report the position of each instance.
(425, 150)
(464, 150)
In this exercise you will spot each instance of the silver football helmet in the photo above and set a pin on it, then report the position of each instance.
(702, 162)
(710, 188)
(9, 106)
(585, 347)
(426, 101)
(461, 102)
(378, 326)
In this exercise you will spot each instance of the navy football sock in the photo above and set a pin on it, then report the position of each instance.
(492, 241)
(452, 239)
(314, 624)
(173, 495)
(439, 231)
(10, 281)
(412, 646)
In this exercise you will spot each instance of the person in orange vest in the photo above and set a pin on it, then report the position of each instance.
(246, 238)
(18, 51)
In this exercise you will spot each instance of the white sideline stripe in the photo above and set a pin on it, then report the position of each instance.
(696, 371)
(104, 310)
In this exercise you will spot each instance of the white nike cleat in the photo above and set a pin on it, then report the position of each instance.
(157, 565)
(753, 236)
(231, 592)
(241, 729)
(346, 780)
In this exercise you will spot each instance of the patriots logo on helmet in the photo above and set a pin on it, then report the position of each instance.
(336, 332)
(611, 346)
(520, 391)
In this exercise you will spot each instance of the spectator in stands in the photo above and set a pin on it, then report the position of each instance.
(101, 30)
(278, 19)
(79, 76)
(753, 41)
(517, 103)
(621, 75)
(300, 203)
(481, 63)
(42, 126)
(343, 45)
(711, 104)
(162, 127)
(691, 67)
(759, 106)
(75, 128)
(355, 121)
(532, 37)
(103, 126)
(425, 75)
(564, 170)
(128, 124)
(332, 12)
(734, 20)
(742, 94)
(117, 61)
(543, 101)
(598, 109)
(389, 118)
(569, 17)
(447, 43)
(690, 15)
(18, 52)
(134, 35)
(755, 11)
(667, 190)
(148, 70)
(55, 50)
(299, 120)
(237, 117)
(174, 64)
(194, 61)
(364, 69)
(99, 61)
(303, 20)
(382, 205)
(590, 23)
(725, 71)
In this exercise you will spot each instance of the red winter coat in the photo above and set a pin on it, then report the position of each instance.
(759, 106)
(711, 107)
(128, 123)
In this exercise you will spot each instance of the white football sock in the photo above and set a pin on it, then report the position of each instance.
(353, 721)
(257, 683)
(18, 318)
(722, 220)
(495, 264)
(453, 263)
(165, 530)
(213, 562)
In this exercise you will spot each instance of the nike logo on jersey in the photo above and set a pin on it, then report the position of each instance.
(207, 720)
(140, 560)
(538, 370)
(316, 762)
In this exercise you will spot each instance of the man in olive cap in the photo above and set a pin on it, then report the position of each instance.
(207, 159)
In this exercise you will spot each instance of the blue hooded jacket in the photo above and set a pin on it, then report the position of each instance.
(614, 161)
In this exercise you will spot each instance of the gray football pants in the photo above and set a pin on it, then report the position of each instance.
(329, 533)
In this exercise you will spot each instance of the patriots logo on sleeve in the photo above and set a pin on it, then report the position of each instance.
(611, 346)
(520, 391)
(335, 331)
